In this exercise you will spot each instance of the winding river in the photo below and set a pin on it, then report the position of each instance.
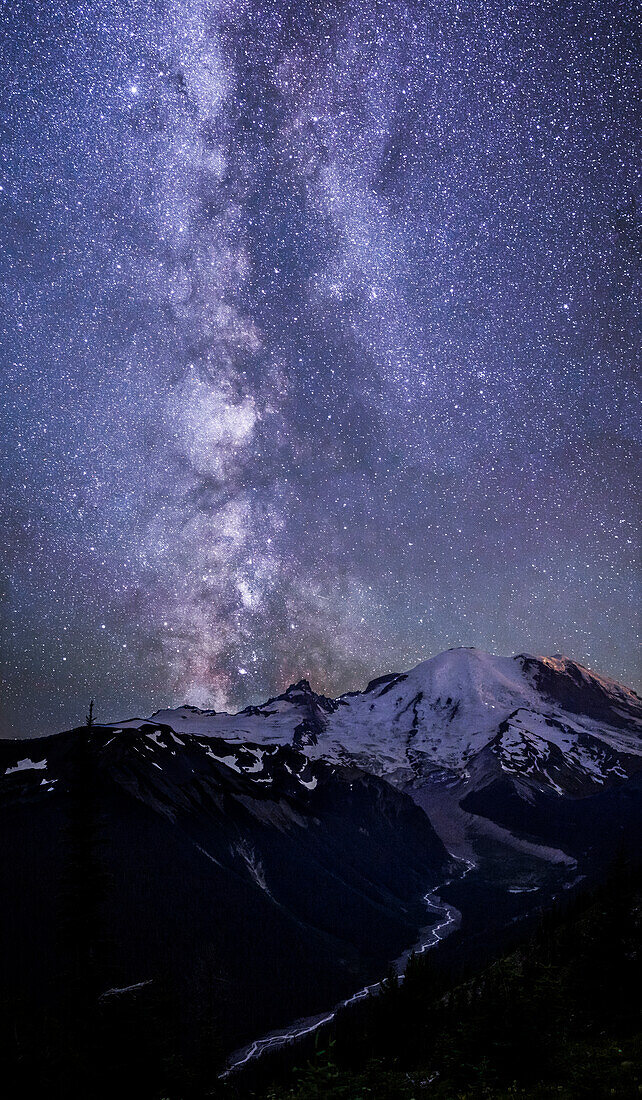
(430, 938)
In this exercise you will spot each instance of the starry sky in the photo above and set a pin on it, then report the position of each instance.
(319, 341)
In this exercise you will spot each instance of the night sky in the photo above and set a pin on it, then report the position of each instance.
(319, 337)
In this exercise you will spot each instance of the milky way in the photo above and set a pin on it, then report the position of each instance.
(319, 334)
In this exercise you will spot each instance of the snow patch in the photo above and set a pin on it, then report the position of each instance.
(26, 765)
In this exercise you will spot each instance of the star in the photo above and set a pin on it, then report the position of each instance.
(318, 347)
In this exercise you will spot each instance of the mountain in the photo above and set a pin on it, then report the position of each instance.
(288, 881)
(533, 753)
(545, 719)
(275, 859)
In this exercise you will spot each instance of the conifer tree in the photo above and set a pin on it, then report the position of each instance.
(81, 908)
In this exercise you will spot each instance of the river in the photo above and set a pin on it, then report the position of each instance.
(430, 938)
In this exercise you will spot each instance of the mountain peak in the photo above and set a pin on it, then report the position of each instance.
(301, 685)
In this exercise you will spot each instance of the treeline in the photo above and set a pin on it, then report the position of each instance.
(558, 1016)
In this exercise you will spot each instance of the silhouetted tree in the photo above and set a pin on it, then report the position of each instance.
(81, 911)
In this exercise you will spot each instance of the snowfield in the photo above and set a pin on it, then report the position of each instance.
(441, 717)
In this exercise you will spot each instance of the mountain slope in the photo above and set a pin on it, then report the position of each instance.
(289, 880)
(275, 859)
(507, 752)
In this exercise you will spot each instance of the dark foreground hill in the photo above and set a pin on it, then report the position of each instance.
(244, 886)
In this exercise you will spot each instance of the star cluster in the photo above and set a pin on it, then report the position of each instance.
(319, 338)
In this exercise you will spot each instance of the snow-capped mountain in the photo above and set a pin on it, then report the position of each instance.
(457, 718)
(287, 851)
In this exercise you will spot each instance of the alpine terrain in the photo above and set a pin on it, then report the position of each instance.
(272, 862)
